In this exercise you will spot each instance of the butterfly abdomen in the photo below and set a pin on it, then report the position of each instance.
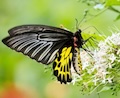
(77, 65)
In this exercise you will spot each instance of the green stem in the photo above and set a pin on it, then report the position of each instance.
(113, 9)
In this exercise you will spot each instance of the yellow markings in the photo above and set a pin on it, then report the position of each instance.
(68, 52)
(79, 60)
(64, 49)
(63, 63)
(65, 57)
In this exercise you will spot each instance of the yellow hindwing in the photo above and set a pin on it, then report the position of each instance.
(62, 65)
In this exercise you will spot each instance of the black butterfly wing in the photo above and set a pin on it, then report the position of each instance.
(38, 28)
(39, 42)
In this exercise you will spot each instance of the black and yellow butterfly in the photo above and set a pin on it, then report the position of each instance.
(47, 44)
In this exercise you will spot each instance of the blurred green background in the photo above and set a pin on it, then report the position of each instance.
(21, 77)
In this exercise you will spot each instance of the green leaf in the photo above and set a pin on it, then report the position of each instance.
(106, 88)
(112, 2)
(117, 18)
(94, 38)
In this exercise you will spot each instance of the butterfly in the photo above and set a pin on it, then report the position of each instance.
(47, 44)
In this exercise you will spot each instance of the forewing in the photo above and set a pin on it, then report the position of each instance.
(62, 64)
(41, 45)
(38, 28)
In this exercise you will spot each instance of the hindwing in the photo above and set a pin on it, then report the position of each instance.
(62, 64)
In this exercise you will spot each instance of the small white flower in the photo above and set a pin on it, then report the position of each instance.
(75, 77)
(115, 39)
(104, 81)
(99, 6)
(118, 52)
(112, 58)
(74, 81)
(86, 60)
(109, 79)
(95, 81)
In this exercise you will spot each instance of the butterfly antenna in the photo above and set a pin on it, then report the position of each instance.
(85, 14)
(78, 23)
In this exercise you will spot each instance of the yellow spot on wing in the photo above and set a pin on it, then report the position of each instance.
(64, 49)
(68, 52)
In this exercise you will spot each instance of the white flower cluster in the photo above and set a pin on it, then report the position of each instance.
(104, 66)
(106, 58)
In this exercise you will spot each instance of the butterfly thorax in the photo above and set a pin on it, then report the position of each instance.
(77, 39)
